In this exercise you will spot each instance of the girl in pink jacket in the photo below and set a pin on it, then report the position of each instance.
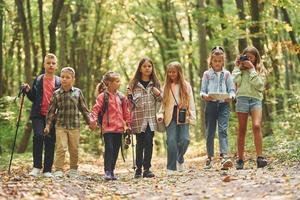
(111, 108)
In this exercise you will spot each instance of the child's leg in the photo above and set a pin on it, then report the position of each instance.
(140, 140)
(38, 140)
(148, 145)
(172, 145)
(61, 148)
(49, 150)
(243, 119)
(73, 138)
(211, 110)
(117, 142)
(183, 141)
(108, 152)
(223, 119)
(256, 127)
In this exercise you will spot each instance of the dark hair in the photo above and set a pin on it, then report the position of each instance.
(138, 75)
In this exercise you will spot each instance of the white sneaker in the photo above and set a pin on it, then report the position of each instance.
(73, 173)
(171, 172)
(48, 175)
(180, 166)
(58, 174)
(35, 172)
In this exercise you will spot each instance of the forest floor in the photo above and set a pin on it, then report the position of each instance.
(278, 180)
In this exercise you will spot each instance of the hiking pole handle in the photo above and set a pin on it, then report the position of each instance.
(17, 127)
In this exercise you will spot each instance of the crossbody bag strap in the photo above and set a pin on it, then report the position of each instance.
(174, 98)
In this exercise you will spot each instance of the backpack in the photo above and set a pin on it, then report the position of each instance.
(105, 107)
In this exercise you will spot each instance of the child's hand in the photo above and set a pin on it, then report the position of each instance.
(208, 98)
(93, 125)
(46, 130)
(228, 100)
(26, 87)
(247, 64)
(155, 91)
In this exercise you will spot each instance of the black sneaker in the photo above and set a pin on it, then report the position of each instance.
(107, 176)
(138, 173)
(239, 164)
(261, 162)
(148, 174)
(113, 177)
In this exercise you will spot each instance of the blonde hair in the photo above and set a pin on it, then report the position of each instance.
(50, 56)
(216, 51)
(69, 70)
(107, 78)
(259, 66)
(183, 90)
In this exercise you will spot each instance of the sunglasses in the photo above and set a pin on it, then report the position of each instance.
(217, 48)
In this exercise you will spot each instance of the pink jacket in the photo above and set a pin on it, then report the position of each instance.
(118, 113)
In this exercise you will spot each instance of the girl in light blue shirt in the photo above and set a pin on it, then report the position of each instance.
(218, 81)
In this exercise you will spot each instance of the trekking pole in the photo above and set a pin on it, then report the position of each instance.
(21, 92)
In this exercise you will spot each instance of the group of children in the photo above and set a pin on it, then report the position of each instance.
(57, 105)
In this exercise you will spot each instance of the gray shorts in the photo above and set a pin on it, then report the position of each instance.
(247, 104)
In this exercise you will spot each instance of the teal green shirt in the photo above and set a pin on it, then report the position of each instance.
(249, 83)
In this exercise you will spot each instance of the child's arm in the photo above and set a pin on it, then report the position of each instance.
(230, 86)
(96, 109)
(51, 114)
(157, 94)
(126, 112)
(31, 92)
(237, 75)
(204, 88)
(257, 80)
(83, 108)
(192, 107)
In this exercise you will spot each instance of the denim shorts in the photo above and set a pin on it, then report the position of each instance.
(247, 104)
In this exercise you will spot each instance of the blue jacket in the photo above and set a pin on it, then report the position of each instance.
(35, 95)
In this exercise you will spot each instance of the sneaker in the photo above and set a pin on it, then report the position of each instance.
(208, 164)
(73, 173)
(148, 174)
(261, 162)
(171, 172)
(58, 174)
(113, 177)
(35, 172)
(47, 175)
(107, 176)
(138, 173)
(226, 163)
(239, 164)
(180, 166)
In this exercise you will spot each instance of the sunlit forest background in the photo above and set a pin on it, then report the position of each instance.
(94, 36)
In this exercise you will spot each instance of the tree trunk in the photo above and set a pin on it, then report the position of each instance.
(41, 28)
(202, 52)
(63, 51)
(25, 138)
(1, 46)
(241, 12)
(23, 21)
(34, 49)
(286, 18)
(57, 7)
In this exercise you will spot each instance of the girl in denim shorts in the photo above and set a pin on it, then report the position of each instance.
(217, 80)
(249, 76)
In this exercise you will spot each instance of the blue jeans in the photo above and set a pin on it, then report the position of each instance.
(39, 140)
(216, 113)
(177, 143)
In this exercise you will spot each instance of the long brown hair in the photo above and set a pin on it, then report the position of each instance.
(259, 66)
(138, 75)
(183, 90)
(108, 77)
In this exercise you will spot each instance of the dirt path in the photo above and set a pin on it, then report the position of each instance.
(274, 182)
